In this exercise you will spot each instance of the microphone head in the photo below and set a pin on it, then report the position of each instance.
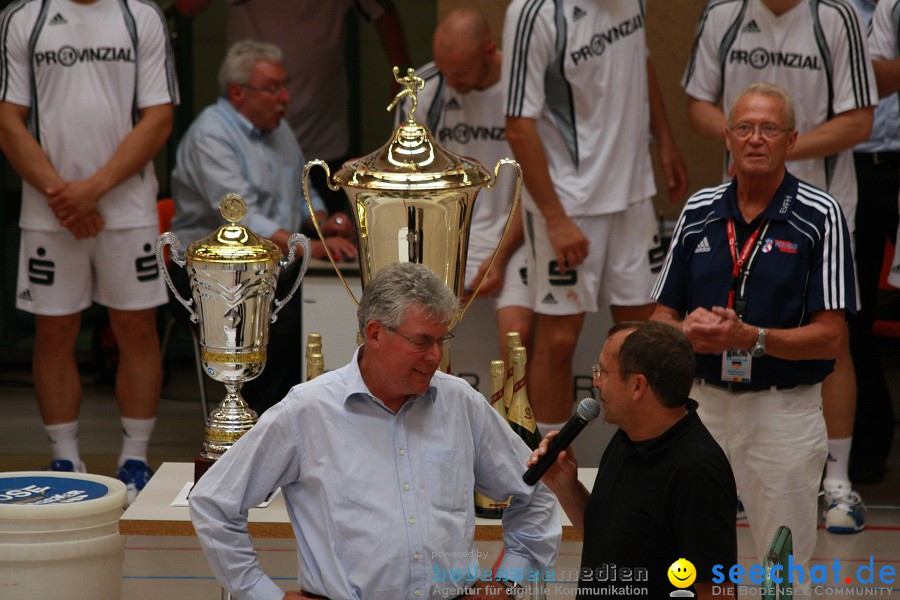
(588, 409)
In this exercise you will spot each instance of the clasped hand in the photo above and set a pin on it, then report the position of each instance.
(713, 331)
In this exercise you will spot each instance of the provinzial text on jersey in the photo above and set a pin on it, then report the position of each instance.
(760, 58)
(463, 133)
(600, 41)
(68, 56)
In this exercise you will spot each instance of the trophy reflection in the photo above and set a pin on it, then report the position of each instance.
(412, 200)
(233, 275)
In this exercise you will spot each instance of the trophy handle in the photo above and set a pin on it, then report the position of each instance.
(296, 239)
(512, 211)
(170, 239)
(312, 213)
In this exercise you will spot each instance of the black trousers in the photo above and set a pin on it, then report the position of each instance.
(284, 362)
(878, 183)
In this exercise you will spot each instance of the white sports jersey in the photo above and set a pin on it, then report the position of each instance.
(85, 70)
(471, 125)
(816, 51)
(579, 68)
(884, 38)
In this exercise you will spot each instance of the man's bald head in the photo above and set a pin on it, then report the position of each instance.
(464, 52)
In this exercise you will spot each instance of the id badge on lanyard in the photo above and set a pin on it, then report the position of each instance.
(737, 364)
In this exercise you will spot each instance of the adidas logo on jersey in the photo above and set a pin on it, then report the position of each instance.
(549, 299)
(751, 27)
(703, 246)
(58, 20)
(452, 104)
(578, 13)
(26, 296)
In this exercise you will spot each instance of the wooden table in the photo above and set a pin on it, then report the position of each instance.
(152, 513)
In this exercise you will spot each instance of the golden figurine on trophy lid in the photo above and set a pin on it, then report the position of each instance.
(412, 200)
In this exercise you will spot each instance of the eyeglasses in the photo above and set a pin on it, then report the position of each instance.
(425, 343)
(599, 369)
(272, 90)
(769, 131)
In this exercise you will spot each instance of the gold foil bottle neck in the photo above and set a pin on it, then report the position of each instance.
(498, 380)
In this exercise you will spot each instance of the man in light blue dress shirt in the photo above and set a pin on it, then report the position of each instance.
(241, 144)
(377, 462)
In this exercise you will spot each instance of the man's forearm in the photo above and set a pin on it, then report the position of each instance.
(393, 39)
(840, 133)
(887, 76)
(706, 118)
(137, 149)
(190, 8)
(23, 151)
(523, 138)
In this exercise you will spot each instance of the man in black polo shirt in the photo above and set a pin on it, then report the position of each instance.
(664, 489)
(760, 277)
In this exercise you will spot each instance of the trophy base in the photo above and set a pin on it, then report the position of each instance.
(201, 466)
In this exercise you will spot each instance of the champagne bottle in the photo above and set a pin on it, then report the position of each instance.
(513, 341)
(315, 365)
(314, 348)
(519, 414)
(487, 507)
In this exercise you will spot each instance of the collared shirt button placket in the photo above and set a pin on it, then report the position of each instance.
(418, 571)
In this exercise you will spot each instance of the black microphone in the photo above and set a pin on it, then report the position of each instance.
(586, 411)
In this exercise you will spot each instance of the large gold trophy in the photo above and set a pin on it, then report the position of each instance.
(233, 274)
(412, 200)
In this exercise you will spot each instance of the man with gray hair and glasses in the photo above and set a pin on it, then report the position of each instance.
(242, 145)
(759, 277)
(377, 462)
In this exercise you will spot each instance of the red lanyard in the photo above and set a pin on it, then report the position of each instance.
(739, 261)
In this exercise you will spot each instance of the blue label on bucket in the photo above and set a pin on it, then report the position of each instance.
(38, 491)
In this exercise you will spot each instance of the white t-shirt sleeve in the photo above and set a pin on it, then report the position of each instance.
(703, 75)
(528, 43)
(852, 75)
(15, 72)
(883, 44)
(156, 69)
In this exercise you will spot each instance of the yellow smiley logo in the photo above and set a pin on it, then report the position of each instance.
(682, 573)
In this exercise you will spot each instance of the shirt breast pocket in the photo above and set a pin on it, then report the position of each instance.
(445, 477)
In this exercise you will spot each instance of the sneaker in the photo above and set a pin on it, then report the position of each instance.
(741, 513)
(843, 510)
(134, 474)
(64, 466)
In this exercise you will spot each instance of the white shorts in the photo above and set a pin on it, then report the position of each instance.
(515, 280)
(776, 443)
(620, 269)
(59, 275)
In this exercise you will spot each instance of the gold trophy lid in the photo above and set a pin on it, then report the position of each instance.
(233, 243)
(412, 159)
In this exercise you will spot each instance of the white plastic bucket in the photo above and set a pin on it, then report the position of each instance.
(59, 536)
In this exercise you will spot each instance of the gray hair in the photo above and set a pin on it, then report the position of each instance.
(400, 286)
(764, 88)
(240, 59)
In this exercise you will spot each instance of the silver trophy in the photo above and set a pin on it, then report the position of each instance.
(233, 275)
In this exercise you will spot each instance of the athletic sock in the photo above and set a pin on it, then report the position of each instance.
(64, 443)
(838, 460)
(135, 439)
